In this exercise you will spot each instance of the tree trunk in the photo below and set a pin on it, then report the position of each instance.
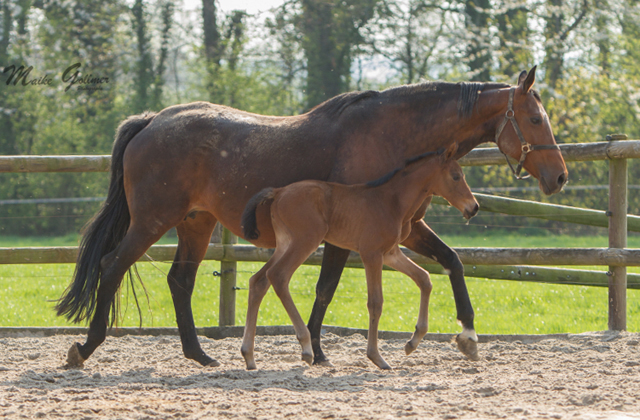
(324, 66)
(479, 48)
(554, 48)
(514, 34)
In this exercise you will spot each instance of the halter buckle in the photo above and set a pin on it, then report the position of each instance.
(526, 148)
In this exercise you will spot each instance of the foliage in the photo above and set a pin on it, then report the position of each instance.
(156, 53)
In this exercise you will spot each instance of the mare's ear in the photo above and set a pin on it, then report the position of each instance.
(451, 151)
(522, 76)
(528, 81)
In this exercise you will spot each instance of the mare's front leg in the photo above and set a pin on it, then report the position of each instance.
(424, 241)
(400, 262)
(373, 269)
(194, 235)
(333, 261)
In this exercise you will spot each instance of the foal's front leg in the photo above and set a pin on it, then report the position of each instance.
(373, 270)
(400, 262)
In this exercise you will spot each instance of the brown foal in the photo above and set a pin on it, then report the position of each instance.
(371, 219)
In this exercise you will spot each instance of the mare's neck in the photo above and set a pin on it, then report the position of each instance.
(438, 123)
(481, 126)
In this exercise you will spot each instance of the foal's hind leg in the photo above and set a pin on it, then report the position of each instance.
(258, 287)
(279, 276)
(194, 235)
(398, 261)
(114, 266)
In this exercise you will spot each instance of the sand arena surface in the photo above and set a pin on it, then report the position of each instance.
(585, 376)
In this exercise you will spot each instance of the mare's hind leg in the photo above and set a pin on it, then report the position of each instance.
(114, 266)
(333, 261)
(424, 241)
(398, 261)
(194, 235)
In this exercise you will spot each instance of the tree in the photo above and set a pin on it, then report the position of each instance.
(556, 32)
(514, 33)
(409, 35)
(223, 46)
(149, 81)
(477, 22)
(330, 31)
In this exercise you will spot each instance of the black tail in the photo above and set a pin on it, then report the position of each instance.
(103, 232)
(249, 222)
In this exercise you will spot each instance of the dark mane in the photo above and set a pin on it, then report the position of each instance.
(336, 105)
(387, 177)
(468, 92)
(467, 95)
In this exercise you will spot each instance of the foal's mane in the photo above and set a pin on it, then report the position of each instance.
(387, 177)
(467, 96)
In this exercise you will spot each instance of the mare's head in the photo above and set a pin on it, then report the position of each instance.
(449, 183)
(530, 140)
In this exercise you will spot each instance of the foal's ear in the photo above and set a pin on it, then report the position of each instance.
(527, 80)
(451, 151)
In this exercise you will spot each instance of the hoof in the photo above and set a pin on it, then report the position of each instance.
(409, 348)
(74, 360)
(468, 347)
(213, 363)
(307, 358)
(323, 363)
(321, 360)
(251, 366)
(385, 366)
(380, 362)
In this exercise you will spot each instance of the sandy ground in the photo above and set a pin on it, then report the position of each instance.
(586, 376)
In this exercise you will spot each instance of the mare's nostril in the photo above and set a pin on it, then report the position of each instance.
(562, 179)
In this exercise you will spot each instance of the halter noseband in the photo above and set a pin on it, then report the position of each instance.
(510, 115)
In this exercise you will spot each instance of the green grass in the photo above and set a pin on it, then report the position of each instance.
(28, 291)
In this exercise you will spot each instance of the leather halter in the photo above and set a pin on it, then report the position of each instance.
(510, 115)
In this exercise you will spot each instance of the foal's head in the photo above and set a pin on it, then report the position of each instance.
(449, 183)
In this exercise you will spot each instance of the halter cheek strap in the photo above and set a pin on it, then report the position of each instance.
(510, 115)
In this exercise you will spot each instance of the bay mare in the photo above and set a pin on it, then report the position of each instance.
(371, 219)
(192, 165)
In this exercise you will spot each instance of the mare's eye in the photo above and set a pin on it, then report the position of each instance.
(456, 177)
(536, 120)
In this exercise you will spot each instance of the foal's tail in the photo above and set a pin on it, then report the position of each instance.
(249, 222)
(103, 232)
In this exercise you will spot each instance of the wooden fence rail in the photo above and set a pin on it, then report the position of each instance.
(497, 263)
(477, 256)
(577, 152)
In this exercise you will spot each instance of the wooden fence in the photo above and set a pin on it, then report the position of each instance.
(520, 264)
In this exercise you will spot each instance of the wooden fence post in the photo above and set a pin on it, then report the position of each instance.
(228, 269)
(618, 239)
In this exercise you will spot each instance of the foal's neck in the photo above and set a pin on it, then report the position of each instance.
(408, 189)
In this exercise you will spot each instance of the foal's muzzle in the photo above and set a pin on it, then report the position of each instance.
(468, 214)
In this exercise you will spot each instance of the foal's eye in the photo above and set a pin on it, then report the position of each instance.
(456, 177)
(536, 120)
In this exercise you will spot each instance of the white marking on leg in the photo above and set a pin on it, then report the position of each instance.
(469, 334)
